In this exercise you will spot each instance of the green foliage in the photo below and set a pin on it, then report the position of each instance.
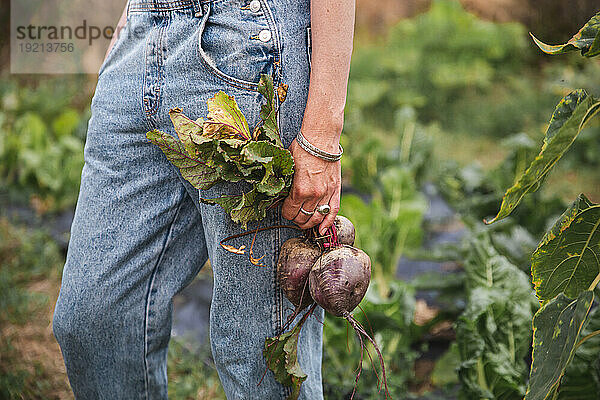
(493, 333)
(389, 223)
(587, 40)
(192, 374)
(368, 156)
(581, 380)
(565, 266)
(281, 355)
(468, 74)
(222, 149)
(25, 257)
(568, 119)
(557, 327)
(566, 260)
(475, 193)
(41, 143)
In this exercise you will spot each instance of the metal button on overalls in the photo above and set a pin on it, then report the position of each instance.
(255, 6)
(264, 35)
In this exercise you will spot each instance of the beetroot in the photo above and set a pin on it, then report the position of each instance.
(339, 279)
(344, 229)
(322, 270)
(296, 258)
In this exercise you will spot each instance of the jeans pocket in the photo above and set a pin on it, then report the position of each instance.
(228, 44)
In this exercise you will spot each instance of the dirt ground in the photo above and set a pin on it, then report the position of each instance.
(38, 351)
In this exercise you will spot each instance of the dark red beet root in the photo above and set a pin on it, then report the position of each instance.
(344, 229)
(296, 258)
(339, 279)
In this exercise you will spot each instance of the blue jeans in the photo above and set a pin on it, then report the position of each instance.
(140, 234)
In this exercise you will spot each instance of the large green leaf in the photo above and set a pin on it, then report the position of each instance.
(245, 207)
(493, 333)
(278, 166)
(567, 259)
(280, 159)
(225, 119)
(587, 40)
(200, 175)
(582, 377)
(189, 131)
(557, 328)
(281, 355)
(568, 119)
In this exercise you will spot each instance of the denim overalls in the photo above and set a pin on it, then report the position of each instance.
(140, 234)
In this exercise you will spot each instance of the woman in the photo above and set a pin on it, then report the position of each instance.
(140, 234)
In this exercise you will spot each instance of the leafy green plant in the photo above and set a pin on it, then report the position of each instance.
(26, 257)
(493, 333)
(192, 373)
(41, 143)
(221, 148)
(467, 74)
(565, 265)
(389, 223)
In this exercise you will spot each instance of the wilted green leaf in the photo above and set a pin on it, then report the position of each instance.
(225, 119)
(568, 119)
(281, 355)
(567, 259)
(245, 207)
(195, 171)
(587, 40)
(189, 131)
(268, 111)
(556, 331)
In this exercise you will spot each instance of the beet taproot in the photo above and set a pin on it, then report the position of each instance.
(296, 258)
(339, 279)
(344, 230)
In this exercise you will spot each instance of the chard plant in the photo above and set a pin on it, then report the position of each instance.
(565, 267)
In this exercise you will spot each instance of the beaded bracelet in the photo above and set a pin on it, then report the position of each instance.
(315, 151)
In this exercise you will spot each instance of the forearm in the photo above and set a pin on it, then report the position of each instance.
(118, 29)
(332, 26)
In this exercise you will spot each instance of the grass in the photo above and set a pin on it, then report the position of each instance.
(31, 365)
(30, 361)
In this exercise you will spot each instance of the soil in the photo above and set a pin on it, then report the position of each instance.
(35, 343)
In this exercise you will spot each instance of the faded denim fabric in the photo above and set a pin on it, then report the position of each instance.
(140, 234)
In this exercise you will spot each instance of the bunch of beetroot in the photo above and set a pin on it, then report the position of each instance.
(326, 271)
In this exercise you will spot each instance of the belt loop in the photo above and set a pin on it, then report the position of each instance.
(197, 9)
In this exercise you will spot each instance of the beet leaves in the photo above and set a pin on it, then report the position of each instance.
(221, 148)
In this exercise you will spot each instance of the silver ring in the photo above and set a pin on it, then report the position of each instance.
(303, 211)
(324, 209)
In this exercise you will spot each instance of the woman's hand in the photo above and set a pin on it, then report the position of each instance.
(316, 182)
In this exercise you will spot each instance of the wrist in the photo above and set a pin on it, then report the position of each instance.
(318, 152)
(324, 134)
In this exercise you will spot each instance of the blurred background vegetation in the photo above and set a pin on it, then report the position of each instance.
(447, 101)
